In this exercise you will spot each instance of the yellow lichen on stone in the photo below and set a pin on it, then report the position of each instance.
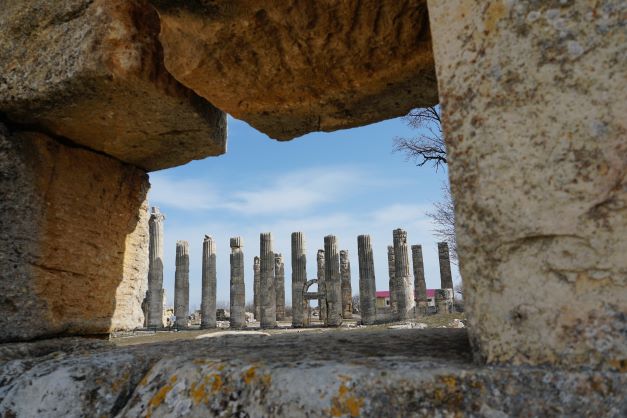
(217, 382)
(249, 375)
(345, 403)
(197, 393)
(144, 381)
(159, 397)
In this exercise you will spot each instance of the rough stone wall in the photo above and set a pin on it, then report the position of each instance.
(92, 71)
(295, 66)
(74, 248)
(534, 103)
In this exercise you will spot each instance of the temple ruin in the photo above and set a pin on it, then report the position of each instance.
(96, 95)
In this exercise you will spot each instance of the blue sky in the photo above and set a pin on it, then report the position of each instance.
(344, 183)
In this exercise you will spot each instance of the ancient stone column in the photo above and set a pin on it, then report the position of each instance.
(332, 282)
(322, 304)
(367, 284)
(181, 284)
(404, 281)
(392, 283)
(154, 312)
(347, 291)
(420, 286)
(267, 293)
(279, 286)
(208, 297)
(299, 277)
(256, 288)
(442, 301)
(238, 289)
(446, 278)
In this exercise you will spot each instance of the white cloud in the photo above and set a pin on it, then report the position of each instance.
(296, 191)
(184, 194)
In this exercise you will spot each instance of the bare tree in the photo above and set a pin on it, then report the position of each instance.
(443, 216)
(355, 303)
(429, 145)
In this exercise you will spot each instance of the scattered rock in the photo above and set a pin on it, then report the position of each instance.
(225, 333)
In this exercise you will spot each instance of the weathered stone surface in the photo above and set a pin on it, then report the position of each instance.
(181, 284)
(92, 71)
(367, 282)
(387, 373)
(155, 294)
(74, 248)
(209, 284)
(292, 67)
(534, 122)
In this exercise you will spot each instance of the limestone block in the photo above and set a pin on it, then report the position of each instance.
(385, 373)
(92, 71)
(534, 106)
(74, 247)
(295, 66)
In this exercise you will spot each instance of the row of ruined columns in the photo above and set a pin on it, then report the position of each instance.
(408, 296)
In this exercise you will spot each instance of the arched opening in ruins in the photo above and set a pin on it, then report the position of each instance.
(345, 183)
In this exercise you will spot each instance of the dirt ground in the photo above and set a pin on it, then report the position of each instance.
(350, 325)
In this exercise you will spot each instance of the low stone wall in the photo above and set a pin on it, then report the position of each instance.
(345, 373)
